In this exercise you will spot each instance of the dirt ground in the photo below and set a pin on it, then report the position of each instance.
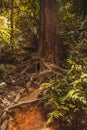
(30, 118)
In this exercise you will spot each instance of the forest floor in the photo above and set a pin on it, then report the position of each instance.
(20, 106)
(25, 112)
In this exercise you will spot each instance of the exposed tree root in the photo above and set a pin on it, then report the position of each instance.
(19, 94)
(7, 111)
(21, 103)
(5, 116)
(53, 66)
(31, 75)
(4, 125)
(32, 68)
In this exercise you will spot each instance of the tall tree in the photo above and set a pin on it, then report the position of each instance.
(49, 44)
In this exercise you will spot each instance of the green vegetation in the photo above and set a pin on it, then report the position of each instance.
(66, 98)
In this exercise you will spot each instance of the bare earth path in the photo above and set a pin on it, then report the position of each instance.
(28, 119)
(30, 116)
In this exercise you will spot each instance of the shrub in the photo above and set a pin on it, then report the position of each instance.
(67, 100)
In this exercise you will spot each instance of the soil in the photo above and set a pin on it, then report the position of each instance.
(30, 118)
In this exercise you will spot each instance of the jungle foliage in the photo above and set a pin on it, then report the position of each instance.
(66, 99)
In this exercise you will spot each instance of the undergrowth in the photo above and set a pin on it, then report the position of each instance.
(66, 99)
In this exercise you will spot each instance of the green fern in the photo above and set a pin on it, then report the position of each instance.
(54, 115)
(67, 97)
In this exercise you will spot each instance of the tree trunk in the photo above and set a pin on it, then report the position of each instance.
(50, 43)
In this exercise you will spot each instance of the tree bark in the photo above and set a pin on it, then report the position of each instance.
(50, 43)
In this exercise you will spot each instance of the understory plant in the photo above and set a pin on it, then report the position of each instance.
(66, 99)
